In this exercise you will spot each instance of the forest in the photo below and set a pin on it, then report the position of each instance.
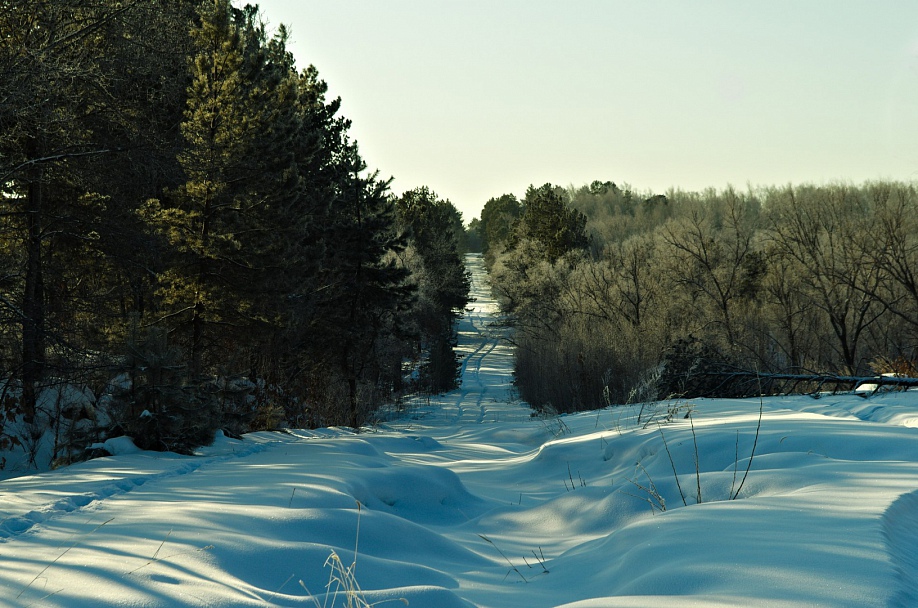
(619, 296)
(183, 211)
(187, 227)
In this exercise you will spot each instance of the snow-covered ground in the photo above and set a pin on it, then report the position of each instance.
(469, 501)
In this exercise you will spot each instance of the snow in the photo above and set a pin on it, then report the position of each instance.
(468, 500)
(116, 446)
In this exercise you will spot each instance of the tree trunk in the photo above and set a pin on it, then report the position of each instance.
(33, 323)
(352, 399)
(197, 338)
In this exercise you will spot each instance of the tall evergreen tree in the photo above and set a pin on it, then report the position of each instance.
(498, 218)
(57, 113)
(221, 222)
(548, 219)
(369, 291)
(433, 226)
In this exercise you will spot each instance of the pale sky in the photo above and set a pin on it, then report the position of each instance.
(477, 98)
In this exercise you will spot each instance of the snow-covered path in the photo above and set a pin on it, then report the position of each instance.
(469, 501)
(486, 368)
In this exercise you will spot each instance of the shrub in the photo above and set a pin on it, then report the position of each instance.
(157, 404)
(692, 368)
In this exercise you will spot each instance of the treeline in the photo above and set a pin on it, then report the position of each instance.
(620, 296)
(182, 209)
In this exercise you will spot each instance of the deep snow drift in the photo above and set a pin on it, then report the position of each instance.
(469, 501)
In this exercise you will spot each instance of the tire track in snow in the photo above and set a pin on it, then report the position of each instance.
(479, 402)
(15, 526)
(484, 348)
(479, 356)
(480, 343)
(482, 320)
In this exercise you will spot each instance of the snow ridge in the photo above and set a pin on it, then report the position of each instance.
(19, 524)
(900, 529)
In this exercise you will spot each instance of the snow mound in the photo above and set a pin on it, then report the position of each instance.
(116, 446)
(900, 528)
(429, 494)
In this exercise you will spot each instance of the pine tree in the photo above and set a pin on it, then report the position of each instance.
(434, 227)
(547, 219)
(498, 217)
(221, 224)
(365, 294)
(55, 108)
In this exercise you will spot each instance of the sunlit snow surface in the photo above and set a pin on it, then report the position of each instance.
(468, 501)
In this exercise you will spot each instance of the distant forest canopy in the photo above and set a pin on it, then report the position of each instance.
(618, 296)
(184, 210)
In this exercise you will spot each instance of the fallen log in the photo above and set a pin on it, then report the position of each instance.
(749, 383)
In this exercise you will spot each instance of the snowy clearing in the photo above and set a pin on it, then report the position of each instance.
(469, 501)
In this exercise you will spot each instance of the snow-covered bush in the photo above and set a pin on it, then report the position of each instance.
(66, 420)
